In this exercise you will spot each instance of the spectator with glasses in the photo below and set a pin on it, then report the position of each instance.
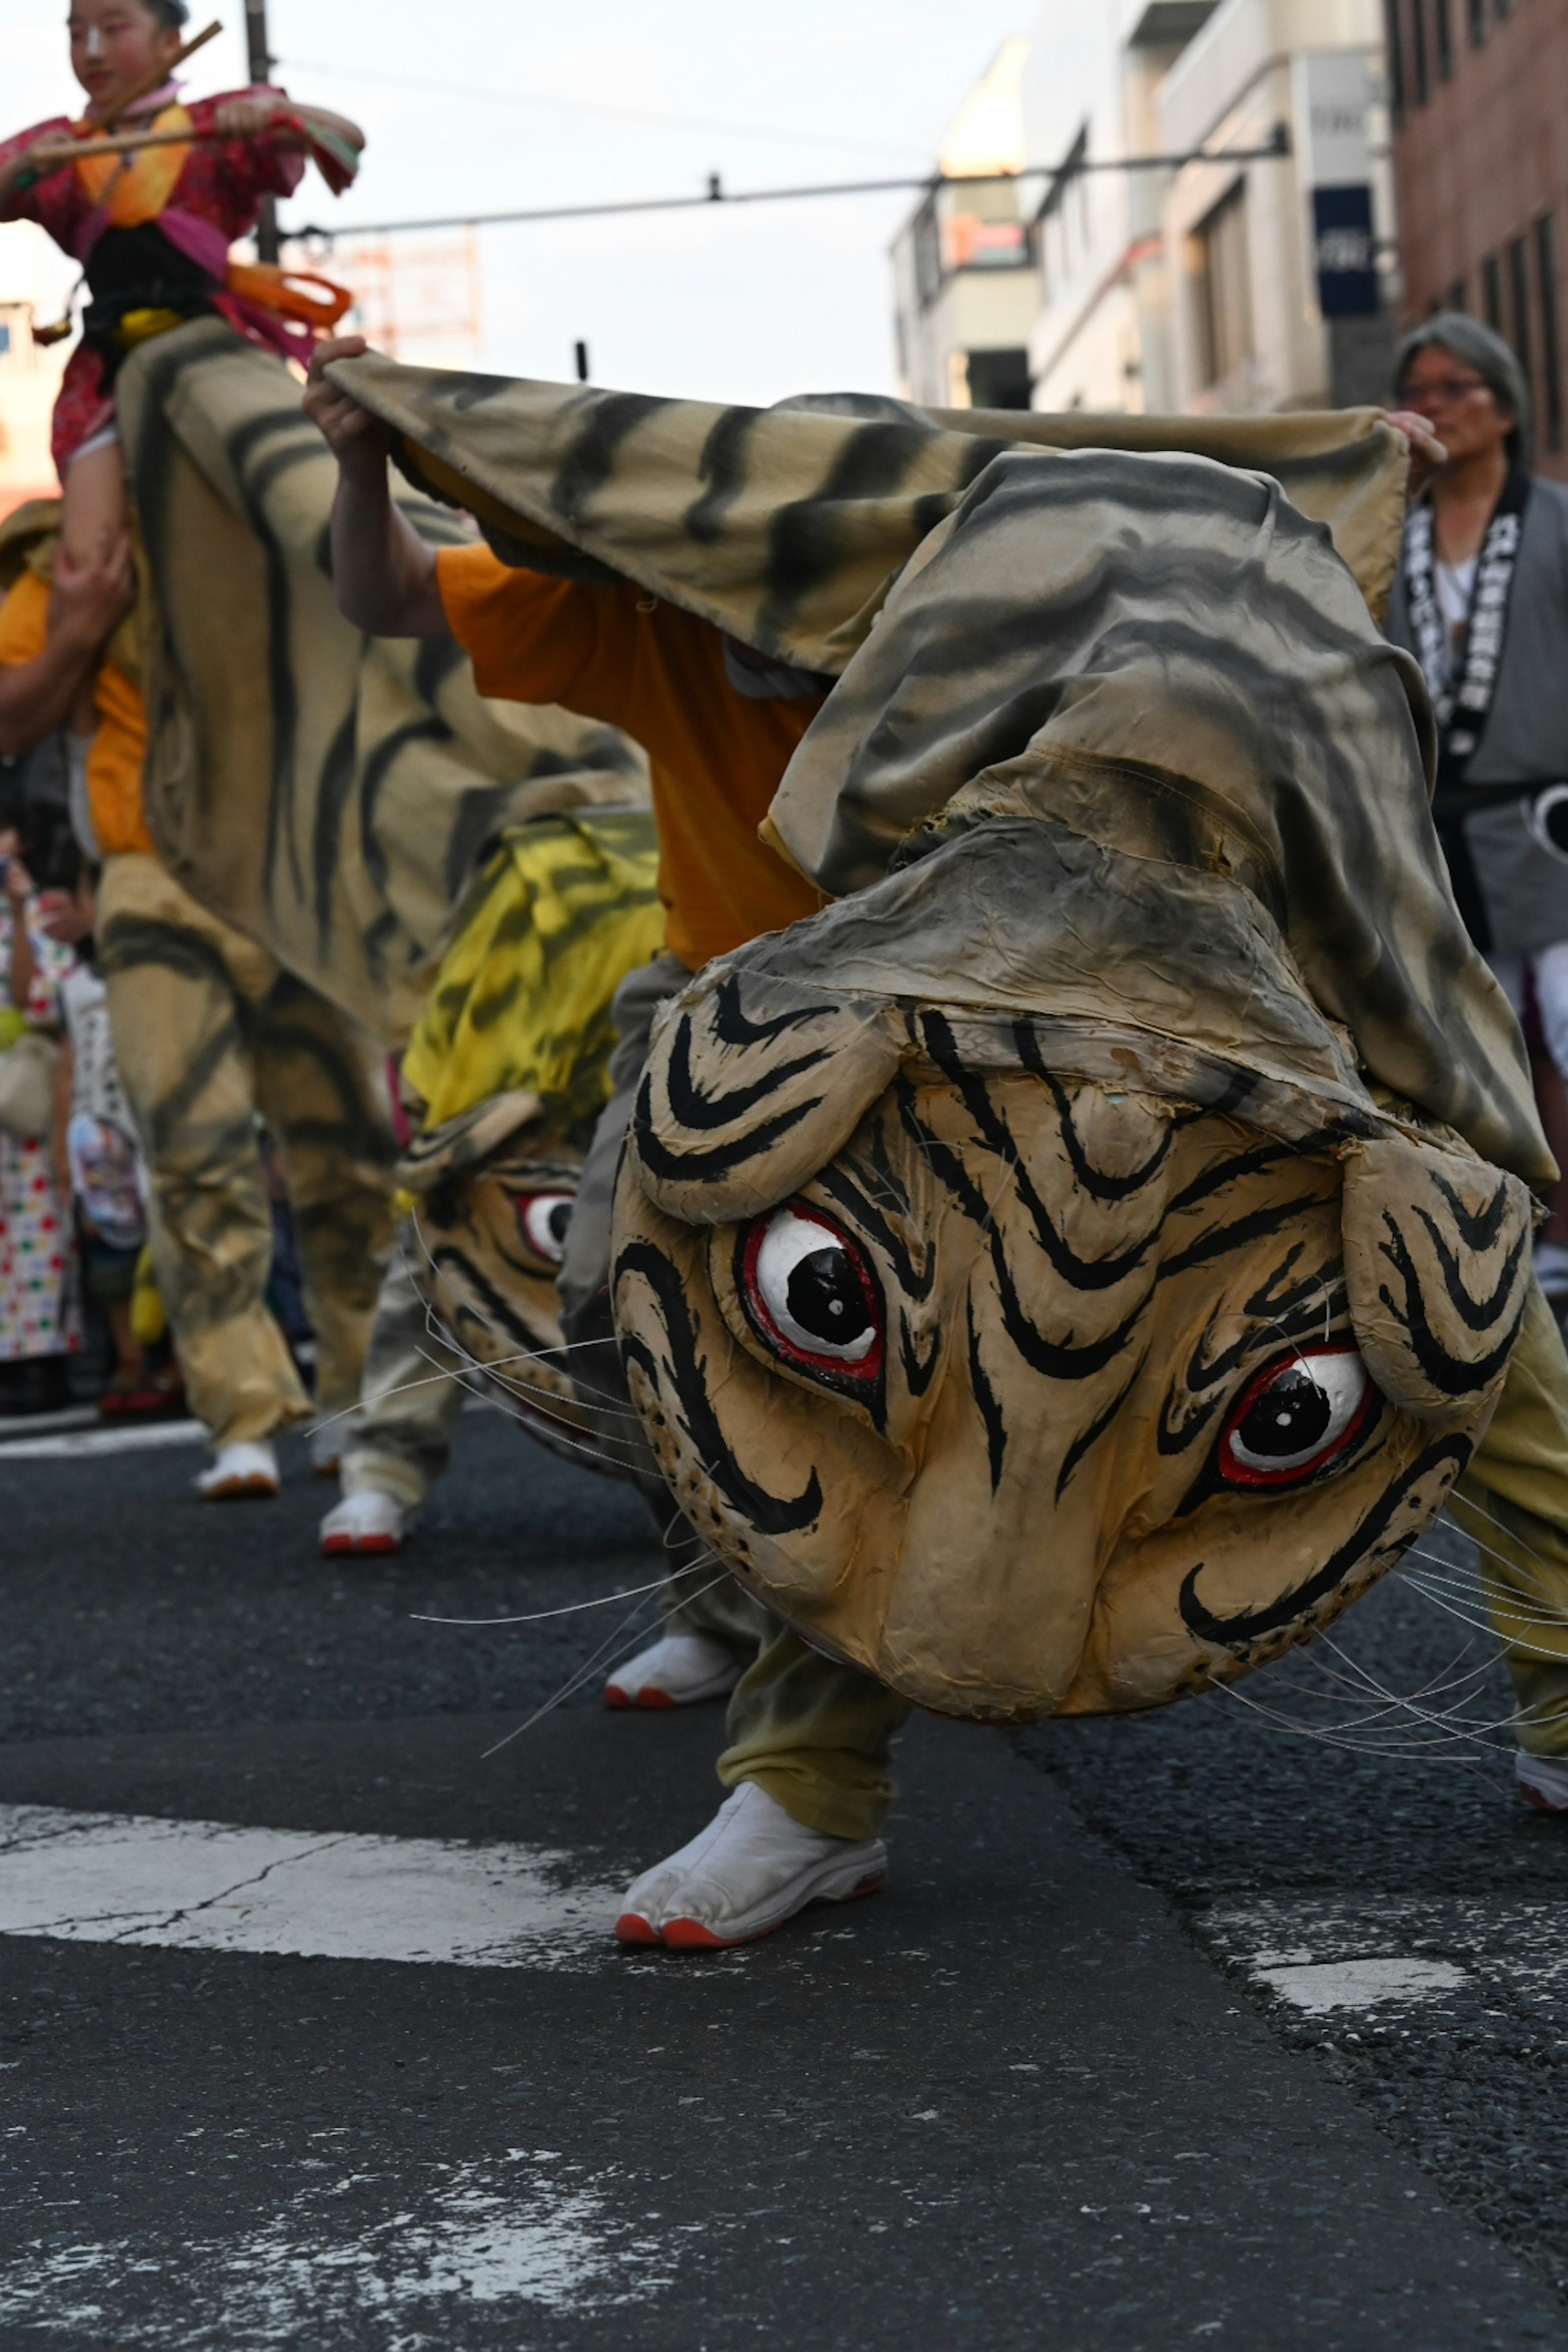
(1481, 600)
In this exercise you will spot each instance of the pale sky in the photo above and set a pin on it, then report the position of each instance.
(480, 104)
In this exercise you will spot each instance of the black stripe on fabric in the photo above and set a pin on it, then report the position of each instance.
(732, 1026)
(722, 465)
(334, 787)
(1090, 1437)
(1450, 1375)
(770, 1514)
(590, 461)
(377, 768)
(692, 1107)
(1055, 1360)
(448, 1256)
(1083, 1274)
(1220, 1241)
(986, 1398)
(1475, 1314)
(1094, 1180)
(1248, 1625)
(721, 1159)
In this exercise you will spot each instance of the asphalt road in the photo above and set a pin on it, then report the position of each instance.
(1196, 2027)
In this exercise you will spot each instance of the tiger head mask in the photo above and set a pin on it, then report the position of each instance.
(493, 1191)
(1072, 1266)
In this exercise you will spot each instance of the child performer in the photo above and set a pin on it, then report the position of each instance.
(153, 228)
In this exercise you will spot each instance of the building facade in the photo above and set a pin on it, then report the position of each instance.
(965, 273)
(1478, 92)
(1280, 270)
(1262, 276)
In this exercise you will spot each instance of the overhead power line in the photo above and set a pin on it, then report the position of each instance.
(717, 193)
(549, 102)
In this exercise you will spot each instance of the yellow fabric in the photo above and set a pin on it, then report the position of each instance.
(120, 743)
(148, 1320)
(1513, 1505)
(134, 188)
(564, 909)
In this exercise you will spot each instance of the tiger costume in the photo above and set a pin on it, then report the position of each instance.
(502, 1079)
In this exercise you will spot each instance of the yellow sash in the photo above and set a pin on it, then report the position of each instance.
(134, 188)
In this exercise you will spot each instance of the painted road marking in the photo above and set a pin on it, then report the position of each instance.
(117, 1878)
(1320, 1986)
(527, 2231)
(72, 1444)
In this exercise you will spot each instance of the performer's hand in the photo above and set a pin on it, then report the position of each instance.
(90, 599)
(18, 883)
(244, 118)
(36, 163)
(354, 436)
(1426, 452)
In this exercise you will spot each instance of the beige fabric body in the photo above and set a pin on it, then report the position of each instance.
(411, 1393)
(324, 792)
(787, 526)
(207, 1034)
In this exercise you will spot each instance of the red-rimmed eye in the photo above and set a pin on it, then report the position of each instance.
(1295, 1418)
(810, 1295)
(542, 1219)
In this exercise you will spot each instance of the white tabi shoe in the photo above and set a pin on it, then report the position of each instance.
(369, 1521)
(1544, 1781)
(245, 1468)
(676, 1672)
(749, 1870)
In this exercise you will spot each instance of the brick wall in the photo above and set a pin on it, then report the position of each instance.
(1481, 148)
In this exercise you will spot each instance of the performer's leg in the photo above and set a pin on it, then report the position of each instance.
(321, 1085)
(411, 1393)
(180, 985)
(817, 1736)
(808, 1763)
(1513, 1503)
(711, 1625)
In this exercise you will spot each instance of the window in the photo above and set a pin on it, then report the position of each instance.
(999, 378)
(1477, 23)
(1224, 287)
(1519, 302)
(1440, 17)
(1457, 298)
(5, 343)
(1418, 51)
(1550, 349)
(1491, 293)
(1396, 43)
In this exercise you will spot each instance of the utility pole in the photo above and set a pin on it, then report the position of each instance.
(260, 69)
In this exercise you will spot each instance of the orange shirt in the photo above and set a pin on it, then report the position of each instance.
(616, 653)
(119, 743)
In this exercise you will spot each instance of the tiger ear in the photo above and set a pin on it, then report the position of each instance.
(460, 1143)
(752, 1086)
(1437, 1269)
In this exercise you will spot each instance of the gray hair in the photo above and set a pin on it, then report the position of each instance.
(1480, 348)
(171, 14)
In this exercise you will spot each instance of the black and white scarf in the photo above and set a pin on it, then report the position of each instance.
(1462, 688)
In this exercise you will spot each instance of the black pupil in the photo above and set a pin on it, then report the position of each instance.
(558, 1220)
(825, 1298)
(1290, 1417)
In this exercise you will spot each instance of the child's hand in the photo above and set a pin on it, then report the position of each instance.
(354, 436)
(243, 118)
(18, 884)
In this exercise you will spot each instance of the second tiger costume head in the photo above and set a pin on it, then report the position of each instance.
(1074, 1265)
